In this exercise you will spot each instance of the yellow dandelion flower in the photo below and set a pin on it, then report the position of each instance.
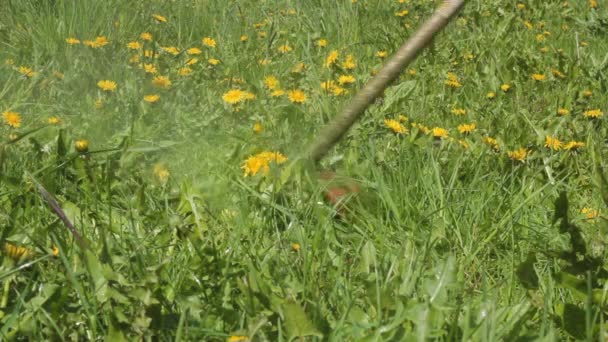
(468, 56)
(72, 41)
(422, 128)
(161, 82)
(402, 13)
(528, 25)
(381, 54)
(171, 50)
(339, 91)
(262, 34)
(346, 79)
(159, 18)
(25, 71)
(439, 132)
(194, 51)
(147, 36)
(593, 113)
(518, 155)
(98, 103)
(261, 162)
(452, 81)
(553, 143)
(574, 145)
(248, 96)
(81, 145)
(349, 63)
(298, 68)
(277, 93)
(209, 42)
(55, 251)
(563, 112)
(101, 41)
(491, 95)
(237, 338)
(466, 128)
(328, 85)
(17, 252)
(152, 98)
(233, 96)
(521, 6)
(296, 96)
(192, 61)
(271, 82)
(12, 119)
(587, 93)
(593, 4)
(402, 118)
(213, 61)
(492, 143)
(97, 43)
(244, 38)
(505, 87)
(284, 48)
(134, 45)
(538, 77)
(395, 126)
(107, 85)
(590, 213)
(331, 58)
(464, 144)
(322, 43)
(459, 111)
(53, 120)
(296, 246)
(185, 71)
(543, 49)
(161, 173)
(257, 128)
(150, 68)
(558, 73)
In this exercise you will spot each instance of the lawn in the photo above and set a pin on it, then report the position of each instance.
(154, 183)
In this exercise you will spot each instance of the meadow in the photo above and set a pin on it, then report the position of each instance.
(468, 203)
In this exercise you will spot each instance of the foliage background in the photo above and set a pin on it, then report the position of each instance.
(451, 237)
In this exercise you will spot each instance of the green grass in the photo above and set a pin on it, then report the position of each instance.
(442, 242)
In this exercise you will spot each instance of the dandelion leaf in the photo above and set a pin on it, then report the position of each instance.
(297, 322)
(573, 320)
(526, 274)
(96, 273)
(399, 92)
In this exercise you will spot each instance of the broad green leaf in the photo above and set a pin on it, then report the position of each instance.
(100, 283)
(297, 323)
(526, 273)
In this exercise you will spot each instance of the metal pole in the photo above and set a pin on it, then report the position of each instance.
(333, 132)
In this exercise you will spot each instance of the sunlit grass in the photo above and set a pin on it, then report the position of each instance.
(469, 203)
